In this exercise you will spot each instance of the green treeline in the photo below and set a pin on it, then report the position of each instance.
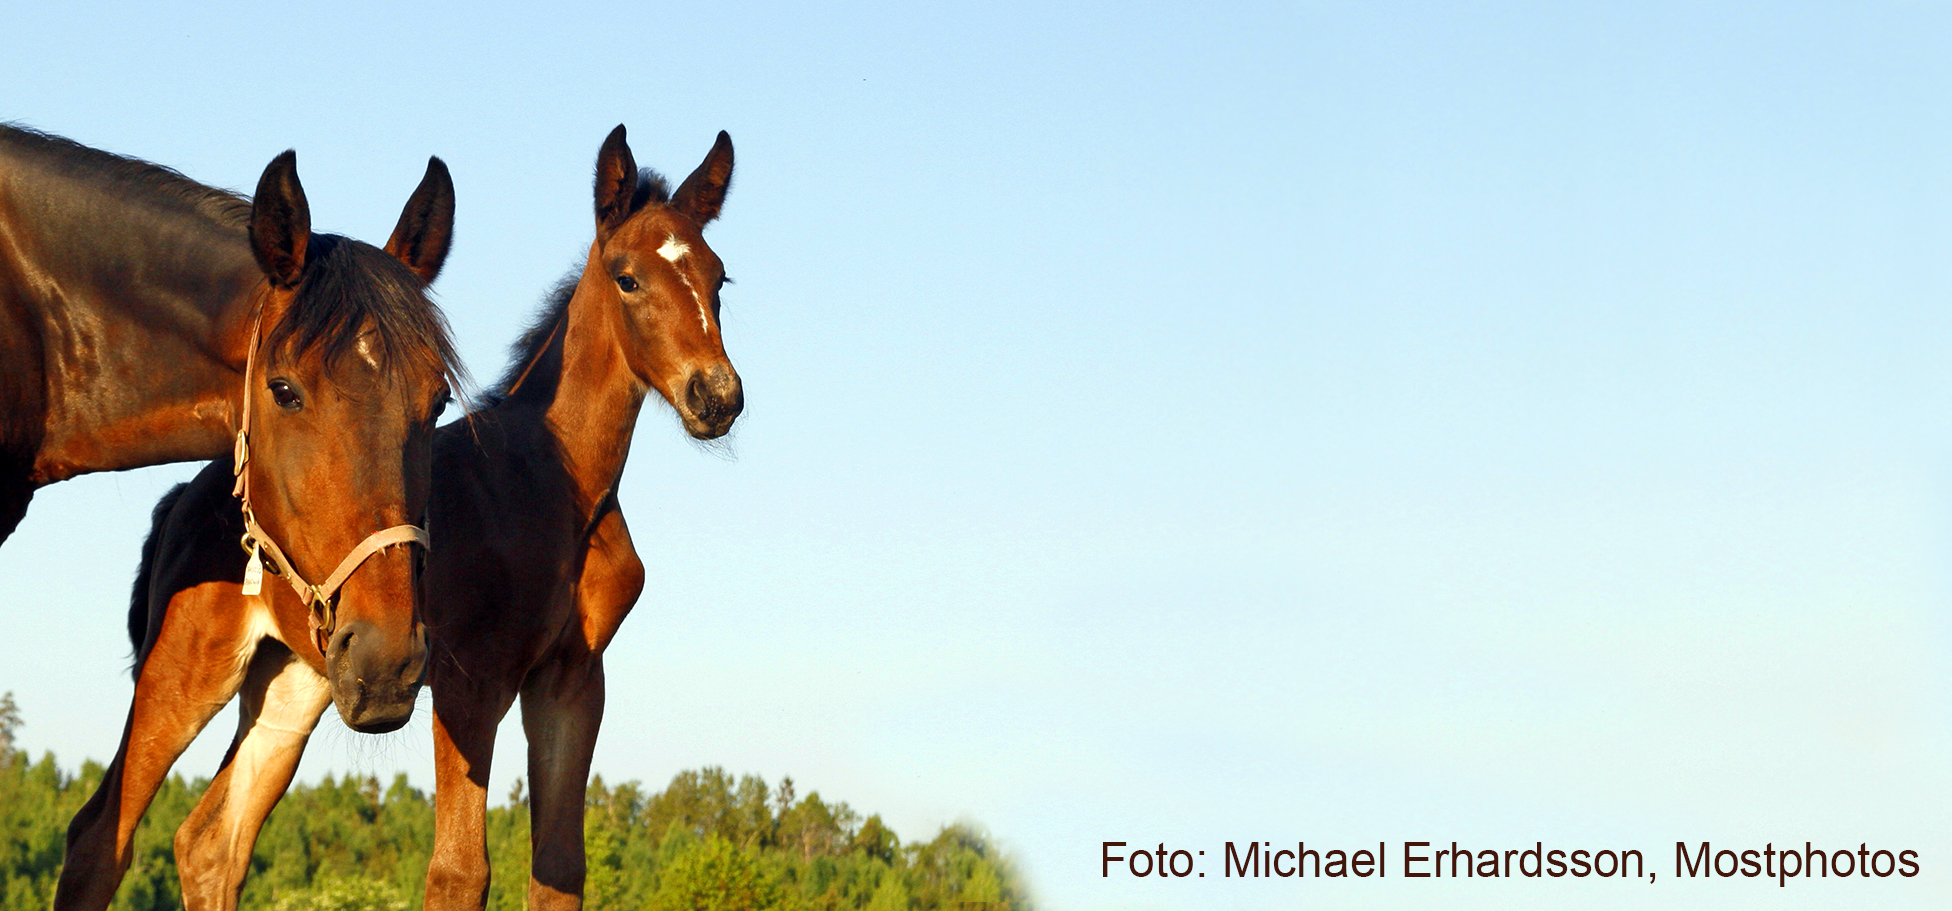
(708, 841)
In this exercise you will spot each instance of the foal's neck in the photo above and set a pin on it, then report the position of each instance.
(597, 398)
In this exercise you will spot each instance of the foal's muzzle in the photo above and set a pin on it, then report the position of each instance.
(712, 400)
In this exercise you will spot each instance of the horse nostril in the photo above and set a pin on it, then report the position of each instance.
(341, 641)
(695, 394)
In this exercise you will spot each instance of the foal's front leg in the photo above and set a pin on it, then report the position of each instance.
(281, 702)
(562, 708)
(466, 712)
(193, 669)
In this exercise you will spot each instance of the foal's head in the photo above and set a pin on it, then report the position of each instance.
(354, 367)
(656, 267)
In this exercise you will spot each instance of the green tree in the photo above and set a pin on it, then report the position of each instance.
(353, 893)
(715, 875)
(876, 840)
(9, 723)
(813, 828)
(891, 895)
(707, 841)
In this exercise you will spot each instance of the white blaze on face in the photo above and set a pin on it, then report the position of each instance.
(672, 251)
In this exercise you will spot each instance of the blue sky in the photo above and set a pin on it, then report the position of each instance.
(1327, 422)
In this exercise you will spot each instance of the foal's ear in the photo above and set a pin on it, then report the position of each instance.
(703, 193)
(616, 181)
(426, 226)
(281, 222)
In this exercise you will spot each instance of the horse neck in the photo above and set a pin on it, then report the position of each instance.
(137, 320)
(593, 412)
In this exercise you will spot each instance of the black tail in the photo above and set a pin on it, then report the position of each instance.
(139, 598)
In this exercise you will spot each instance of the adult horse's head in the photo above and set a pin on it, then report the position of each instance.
(351, 364)
(665, 280)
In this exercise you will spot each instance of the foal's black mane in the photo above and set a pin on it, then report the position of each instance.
(141, 179)
(536, 336)
(651, 188)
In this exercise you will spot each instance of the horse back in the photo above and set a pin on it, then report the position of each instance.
(113, 276)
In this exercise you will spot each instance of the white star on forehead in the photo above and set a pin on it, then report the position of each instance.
(674, 250)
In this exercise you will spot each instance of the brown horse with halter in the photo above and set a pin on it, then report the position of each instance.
(147, 318)
(346, 365)
(532, 568)
(128, 294)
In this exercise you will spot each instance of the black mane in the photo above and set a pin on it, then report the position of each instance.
(133, 177)
(652, 188)
(534, 338)
(349, 286)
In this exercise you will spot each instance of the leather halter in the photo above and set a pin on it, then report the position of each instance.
(323, 598)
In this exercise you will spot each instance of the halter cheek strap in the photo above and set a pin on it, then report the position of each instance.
(322, 599)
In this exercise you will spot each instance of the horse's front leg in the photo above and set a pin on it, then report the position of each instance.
(466, 712)
(193, 669)
(562, 707)
(281, 702)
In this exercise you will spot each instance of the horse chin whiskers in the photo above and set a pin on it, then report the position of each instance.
(721, 447)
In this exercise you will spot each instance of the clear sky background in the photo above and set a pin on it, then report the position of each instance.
(1184, 423)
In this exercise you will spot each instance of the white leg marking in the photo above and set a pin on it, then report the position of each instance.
(293, 702)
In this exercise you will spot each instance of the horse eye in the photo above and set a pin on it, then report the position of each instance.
(627, 283)
(284, 395)
(440, 407)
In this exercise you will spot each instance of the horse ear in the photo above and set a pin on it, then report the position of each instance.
(426, 226)
(703, 193)
(616, 180)
(281, 222)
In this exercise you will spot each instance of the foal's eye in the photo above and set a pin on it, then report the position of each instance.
(440, 406)
(284, 395)
(627, 283)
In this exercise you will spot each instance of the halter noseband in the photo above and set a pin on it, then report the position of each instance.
(323, 598)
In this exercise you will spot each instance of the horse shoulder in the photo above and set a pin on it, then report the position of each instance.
(612, 580)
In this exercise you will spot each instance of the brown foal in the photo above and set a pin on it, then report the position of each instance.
(532, 569)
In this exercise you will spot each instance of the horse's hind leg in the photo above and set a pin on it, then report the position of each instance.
(562, 706)
(191, 673)
(280, 703)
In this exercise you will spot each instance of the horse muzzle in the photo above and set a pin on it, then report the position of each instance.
(374, 680)
(712, 400)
